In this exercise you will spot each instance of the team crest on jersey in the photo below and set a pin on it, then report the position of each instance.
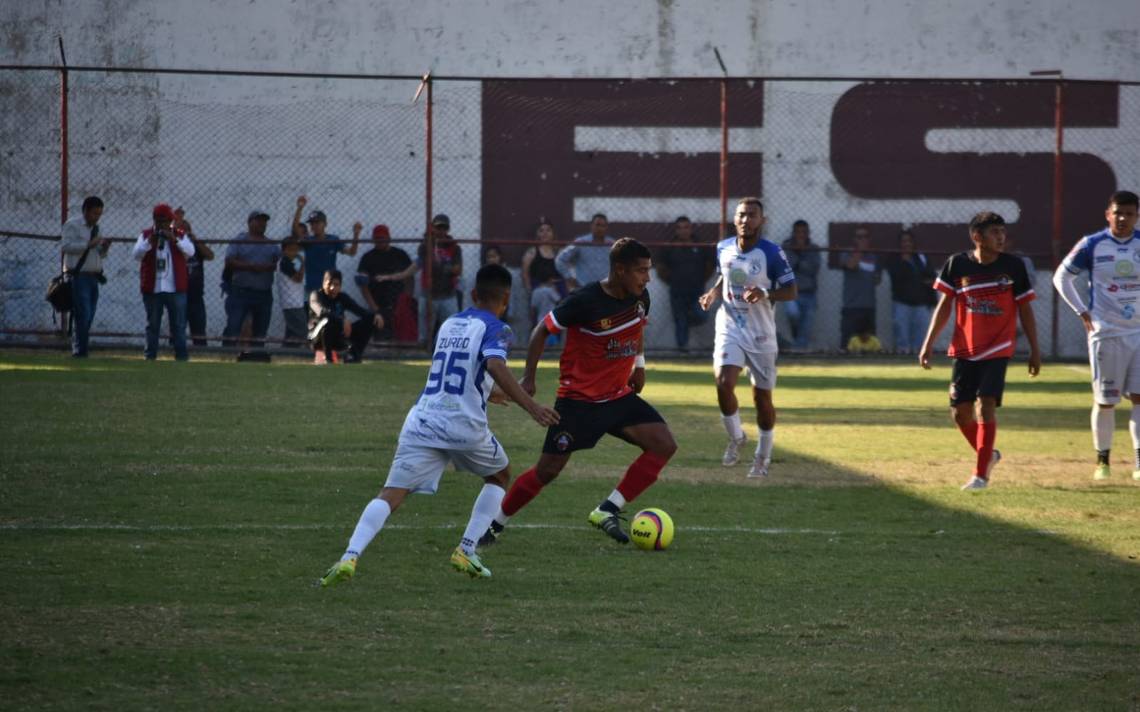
(604, 323)
(563, 441)
(1125, 268)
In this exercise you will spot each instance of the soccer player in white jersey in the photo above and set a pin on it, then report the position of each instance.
(1111, 258)
(448, 424)
(753, 275)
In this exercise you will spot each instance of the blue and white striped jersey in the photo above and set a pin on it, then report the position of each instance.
(451, 412)
(753, 326)
(1113, 268)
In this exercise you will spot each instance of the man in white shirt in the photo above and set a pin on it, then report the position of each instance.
(1111, 258)
(162, 251)
(79, 240)
(753, 274)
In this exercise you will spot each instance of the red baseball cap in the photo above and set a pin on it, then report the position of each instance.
(380, 231)
(163, 212)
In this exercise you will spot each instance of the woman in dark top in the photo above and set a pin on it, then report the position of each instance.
(538, 262)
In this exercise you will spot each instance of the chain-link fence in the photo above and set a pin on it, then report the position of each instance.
(507, 154)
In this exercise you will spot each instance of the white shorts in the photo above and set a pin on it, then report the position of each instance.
(419, 467)
(1115, 363)
(761, 366)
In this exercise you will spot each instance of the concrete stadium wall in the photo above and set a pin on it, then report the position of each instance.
(224, 146)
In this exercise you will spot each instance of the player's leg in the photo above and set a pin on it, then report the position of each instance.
(963, 392)
(990, 379)
(525, 488)
(1132, 388)
(1109, 363)
(635, 421)
(489, 462)
(762, 372)
(414, 468)
(728, 360)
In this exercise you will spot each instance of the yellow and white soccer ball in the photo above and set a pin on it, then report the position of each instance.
(651, 529)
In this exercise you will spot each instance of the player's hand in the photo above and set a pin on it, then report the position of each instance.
(1086, 319)
(498, 396)
(356, 228)
(302, 201)
(752, 295)
(707, 299)
(527, 384)
(378, 321)
(544, 416)
(1034, 362)
(637, 380)
(924, 358)
(347, 328)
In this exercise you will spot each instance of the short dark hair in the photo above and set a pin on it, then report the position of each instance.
(94, 201)
(681, 219)
(627, 251)
(491, 282)
(800, 223)
(1124, 197)
(902, 233)
(985, 219)
(599, 215)
(751, 200)
(335, 275)
(291, 240)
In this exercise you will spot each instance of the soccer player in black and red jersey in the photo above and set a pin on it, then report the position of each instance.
(602, 372)
(990, 290)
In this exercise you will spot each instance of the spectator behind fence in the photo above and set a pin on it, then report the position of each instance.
(861, 274)
(912, 294)
(545, 286)
(162, 251)
(1030, 268)
(80, 241)
(382, 276)
(805, 261)
(290, 278)
(587, 259)
(446, 271)
(252, 259)
(330, 330)
(321, 247)
(686, 268)
(196, 291)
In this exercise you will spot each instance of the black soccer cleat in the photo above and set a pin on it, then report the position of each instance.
(609, 523)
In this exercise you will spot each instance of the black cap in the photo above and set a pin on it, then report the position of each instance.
(441, 220)
(317, 216)
(255, 214)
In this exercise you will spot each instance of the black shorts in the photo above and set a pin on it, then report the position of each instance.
(976, 379)
(583, 424)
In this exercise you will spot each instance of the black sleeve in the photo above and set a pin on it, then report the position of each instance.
(350, 304)
(574, 309)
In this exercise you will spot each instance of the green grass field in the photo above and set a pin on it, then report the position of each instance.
(162, 526)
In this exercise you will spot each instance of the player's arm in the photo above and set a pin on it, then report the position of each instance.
(637, 376)
(937, 323)
(506, 382)
(709, 298)
(1029, 326)
(1065, 282)
(533, 353)
(787, 293)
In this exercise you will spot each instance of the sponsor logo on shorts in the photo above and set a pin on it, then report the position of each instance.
(563, 441)
(1110, 392)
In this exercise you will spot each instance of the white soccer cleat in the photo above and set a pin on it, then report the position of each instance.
(759, 469)
(995, 458)
(732, 451)
(975, 483)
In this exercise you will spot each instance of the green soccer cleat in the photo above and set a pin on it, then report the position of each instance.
(469, 564)
(1102, 472)
(340, 571)
(609, 523)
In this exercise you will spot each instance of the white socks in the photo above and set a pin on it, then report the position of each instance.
(1102, 424)
(764, 447)
(371, 522)
(1134, 431)
(616, 499)
(732, 425)
(485, 507)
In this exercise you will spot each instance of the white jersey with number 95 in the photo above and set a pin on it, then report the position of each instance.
(451, 412)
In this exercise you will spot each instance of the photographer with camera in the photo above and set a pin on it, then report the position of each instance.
(162, 252)
(83, 252)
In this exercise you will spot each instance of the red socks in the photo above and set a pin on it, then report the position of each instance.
(970, 431)
(524, 489)
(640, 475)
(987, 433)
